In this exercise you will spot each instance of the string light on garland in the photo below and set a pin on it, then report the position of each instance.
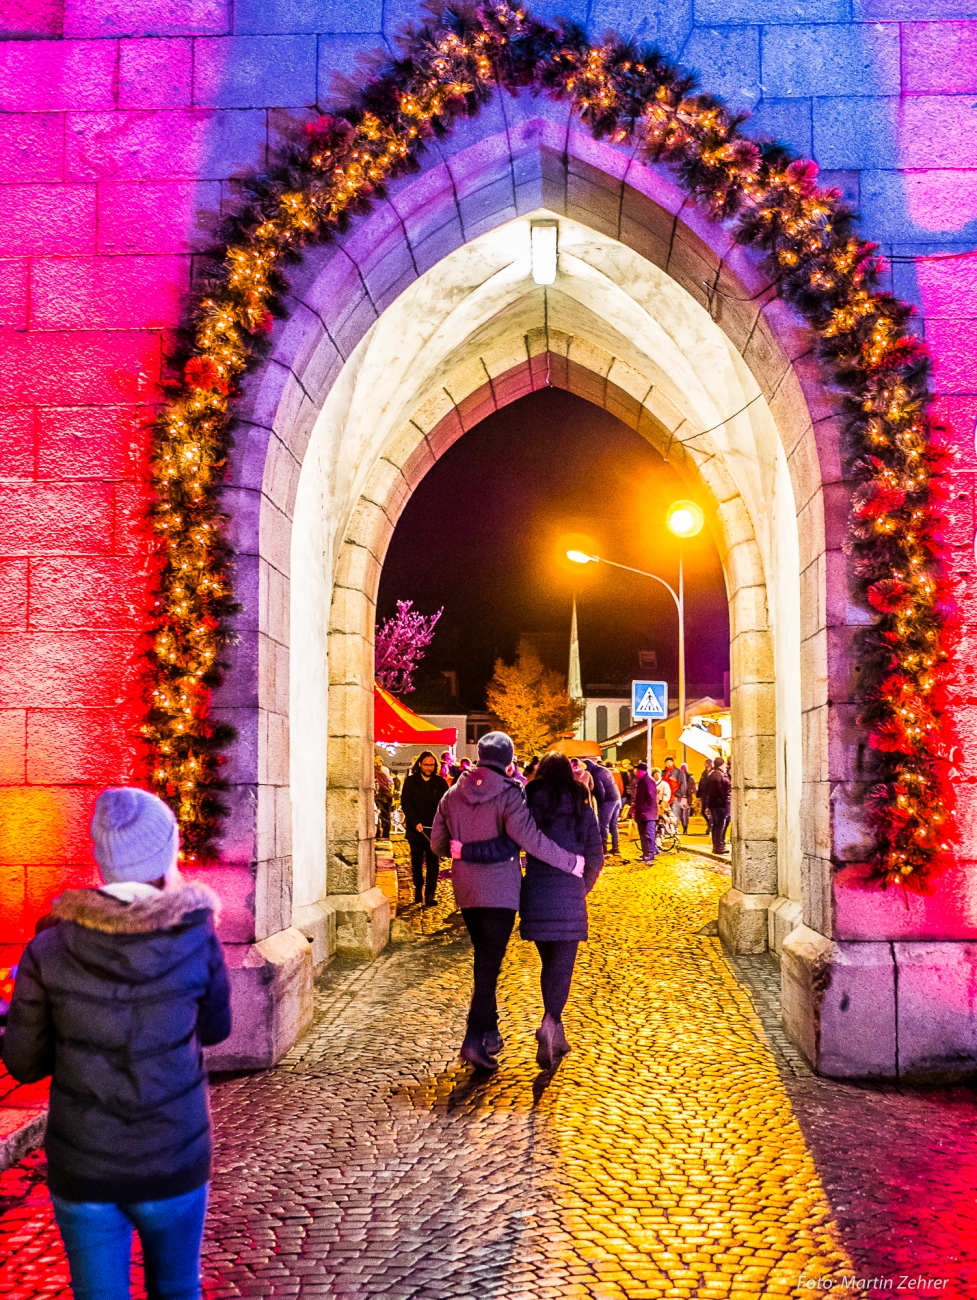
(805, 237)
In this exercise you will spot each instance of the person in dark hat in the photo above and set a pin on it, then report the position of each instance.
(487, 806)
(644, 808)
(115, 999)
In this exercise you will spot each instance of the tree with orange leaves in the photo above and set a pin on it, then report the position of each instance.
(531, 702)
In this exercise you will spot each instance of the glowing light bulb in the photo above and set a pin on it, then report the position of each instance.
(543, 247)
(685, 519)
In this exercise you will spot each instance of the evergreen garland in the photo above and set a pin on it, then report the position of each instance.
(449, 67)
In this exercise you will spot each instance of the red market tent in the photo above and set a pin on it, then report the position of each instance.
(395, 724)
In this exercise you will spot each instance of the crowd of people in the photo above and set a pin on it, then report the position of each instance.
(652, 798)
(564, 814)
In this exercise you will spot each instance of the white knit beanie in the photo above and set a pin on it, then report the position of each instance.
(135, 835)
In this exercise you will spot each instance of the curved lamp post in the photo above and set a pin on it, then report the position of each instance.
(685, 520)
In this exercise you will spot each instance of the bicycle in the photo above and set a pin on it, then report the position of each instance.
(667, 835)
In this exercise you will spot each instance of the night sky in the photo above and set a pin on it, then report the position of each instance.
(484, 536)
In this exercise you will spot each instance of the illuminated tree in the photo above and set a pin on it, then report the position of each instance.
(531, 702)
(401, 642)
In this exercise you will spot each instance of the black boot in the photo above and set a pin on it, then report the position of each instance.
(473, 1051)
(553, 1045)
(493, 1041)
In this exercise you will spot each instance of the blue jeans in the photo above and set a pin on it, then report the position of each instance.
(648, 831)
(98, 1241)
(607, 815)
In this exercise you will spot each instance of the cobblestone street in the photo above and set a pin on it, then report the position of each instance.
(683, 1149)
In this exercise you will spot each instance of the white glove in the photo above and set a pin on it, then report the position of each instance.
(456, 848)
(578, 869)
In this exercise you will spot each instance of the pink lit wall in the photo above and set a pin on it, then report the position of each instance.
(120, 124)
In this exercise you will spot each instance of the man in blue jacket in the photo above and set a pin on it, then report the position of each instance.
(115, 998)
(608, 799)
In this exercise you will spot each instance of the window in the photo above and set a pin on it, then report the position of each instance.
(623, 718)
(601, 722)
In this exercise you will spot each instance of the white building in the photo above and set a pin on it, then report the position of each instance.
(605, 716)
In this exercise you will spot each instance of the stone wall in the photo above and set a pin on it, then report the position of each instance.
(121, 122)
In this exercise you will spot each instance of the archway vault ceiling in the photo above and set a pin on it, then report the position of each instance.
(476, 317)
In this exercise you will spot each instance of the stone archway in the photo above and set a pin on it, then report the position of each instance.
(418, 324)
(530, 339)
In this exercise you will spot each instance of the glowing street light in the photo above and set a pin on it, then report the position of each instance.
(543, 236)
(685, 519)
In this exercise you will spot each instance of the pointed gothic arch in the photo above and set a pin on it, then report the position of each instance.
(659, 312)
(408, 332)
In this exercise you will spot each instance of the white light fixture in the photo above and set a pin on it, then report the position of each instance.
(543, 236)
(581, 557)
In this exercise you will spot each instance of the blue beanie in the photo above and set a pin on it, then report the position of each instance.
(135, 835)
(496, 748)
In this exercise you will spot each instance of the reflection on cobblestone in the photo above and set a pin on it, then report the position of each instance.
(664, 1158)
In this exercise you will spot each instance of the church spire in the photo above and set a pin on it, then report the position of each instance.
(574, 684)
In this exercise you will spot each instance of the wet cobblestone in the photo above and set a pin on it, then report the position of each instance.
(683, 1148)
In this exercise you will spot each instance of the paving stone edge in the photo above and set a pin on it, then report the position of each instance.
(23, 1137)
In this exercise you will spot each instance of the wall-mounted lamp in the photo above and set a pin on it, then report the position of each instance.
(543, 236)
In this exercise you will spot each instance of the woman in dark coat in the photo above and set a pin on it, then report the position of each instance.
(423, 791)
(552, 904)
(115, 998)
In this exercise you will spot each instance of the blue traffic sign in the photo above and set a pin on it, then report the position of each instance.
(649, 699)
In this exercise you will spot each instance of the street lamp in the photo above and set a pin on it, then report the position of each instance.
(685, 519)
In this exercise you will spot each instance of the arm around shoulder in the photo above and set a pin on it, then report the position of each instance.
(519, 825)
(593, 852)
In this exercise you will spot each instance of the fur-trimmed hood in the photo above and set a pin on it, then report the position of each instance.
(139, 941)
(164, 911)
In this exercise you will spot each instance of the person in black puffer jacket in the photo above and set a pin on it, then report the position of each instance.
(115, 997)
(552, 904)
(423, 791)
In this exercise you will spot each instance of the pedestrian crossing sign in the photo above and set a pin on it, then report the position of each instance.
(649, 699)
